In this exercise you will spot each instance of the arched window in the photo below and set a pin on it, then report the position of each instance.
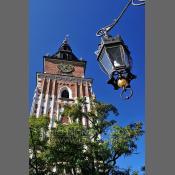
(65, 94)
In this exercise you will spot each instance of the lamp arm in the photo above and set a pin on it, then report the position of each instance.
(142, 2)
(104, 31)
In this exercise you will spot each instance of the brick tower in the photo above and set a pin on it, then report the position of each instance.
(61, 82)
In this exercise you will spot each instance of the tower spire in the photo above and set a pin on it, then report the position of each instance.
(64, 52)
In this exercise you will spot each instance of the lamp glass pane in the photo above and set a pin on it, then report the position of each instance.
(106, 64)
(127, 61)
(115, 55)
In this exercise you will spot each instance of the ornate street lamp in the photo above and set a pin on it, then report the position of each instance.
(114, 57)
(115, 60)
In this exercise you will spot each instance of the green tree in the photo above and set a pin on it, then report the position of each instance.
(75, 149)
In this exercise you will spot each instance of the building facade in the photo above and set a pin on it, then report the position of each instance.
(61, 82)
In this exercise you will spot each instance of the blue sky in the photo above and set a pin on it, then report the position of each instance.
(51, 20)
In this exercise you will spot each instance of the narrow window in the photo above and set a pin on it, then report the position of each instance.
(42, 110)
(45, 87)
(89, 91)
(84, 93)
(50, 87)
(56, 89)
(78, 90)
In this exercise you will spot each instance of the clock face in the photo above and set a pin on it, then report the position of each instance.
(66, 68)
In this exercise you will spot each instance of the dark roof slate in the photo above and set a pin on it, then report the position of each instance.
(65, 52)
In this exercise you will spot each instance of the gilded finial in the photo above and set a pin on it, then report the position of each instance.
(66, 39)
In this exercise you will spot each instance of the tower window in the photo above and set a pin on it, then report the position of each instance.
(78, 90)
(65, 94)
(42, 110)
(89, 91)
(84, 93)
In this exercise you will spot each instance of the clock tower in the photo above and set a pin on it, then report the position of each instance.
(61, 82)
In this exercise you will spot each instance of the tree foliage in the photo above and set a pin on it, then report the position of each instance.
(75, 149)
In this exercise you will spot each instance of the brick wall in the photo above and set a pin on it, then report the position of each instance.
(51, 68)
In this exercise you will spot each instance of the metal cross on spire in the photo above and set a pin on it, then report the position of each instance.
(66, 39)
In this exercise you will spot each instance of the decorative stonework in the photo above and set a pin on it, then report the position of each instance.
(63, 78)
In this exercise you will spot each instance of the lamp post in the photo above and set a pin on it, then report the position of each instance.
(114, 57)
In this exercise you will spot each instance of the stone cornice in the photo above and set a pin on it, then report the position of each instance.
(63, 78)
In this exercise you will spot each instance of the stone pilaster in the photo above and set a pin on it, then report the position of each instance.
(46, 107)
(81, 89)
(40, 101)
(52, 104)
